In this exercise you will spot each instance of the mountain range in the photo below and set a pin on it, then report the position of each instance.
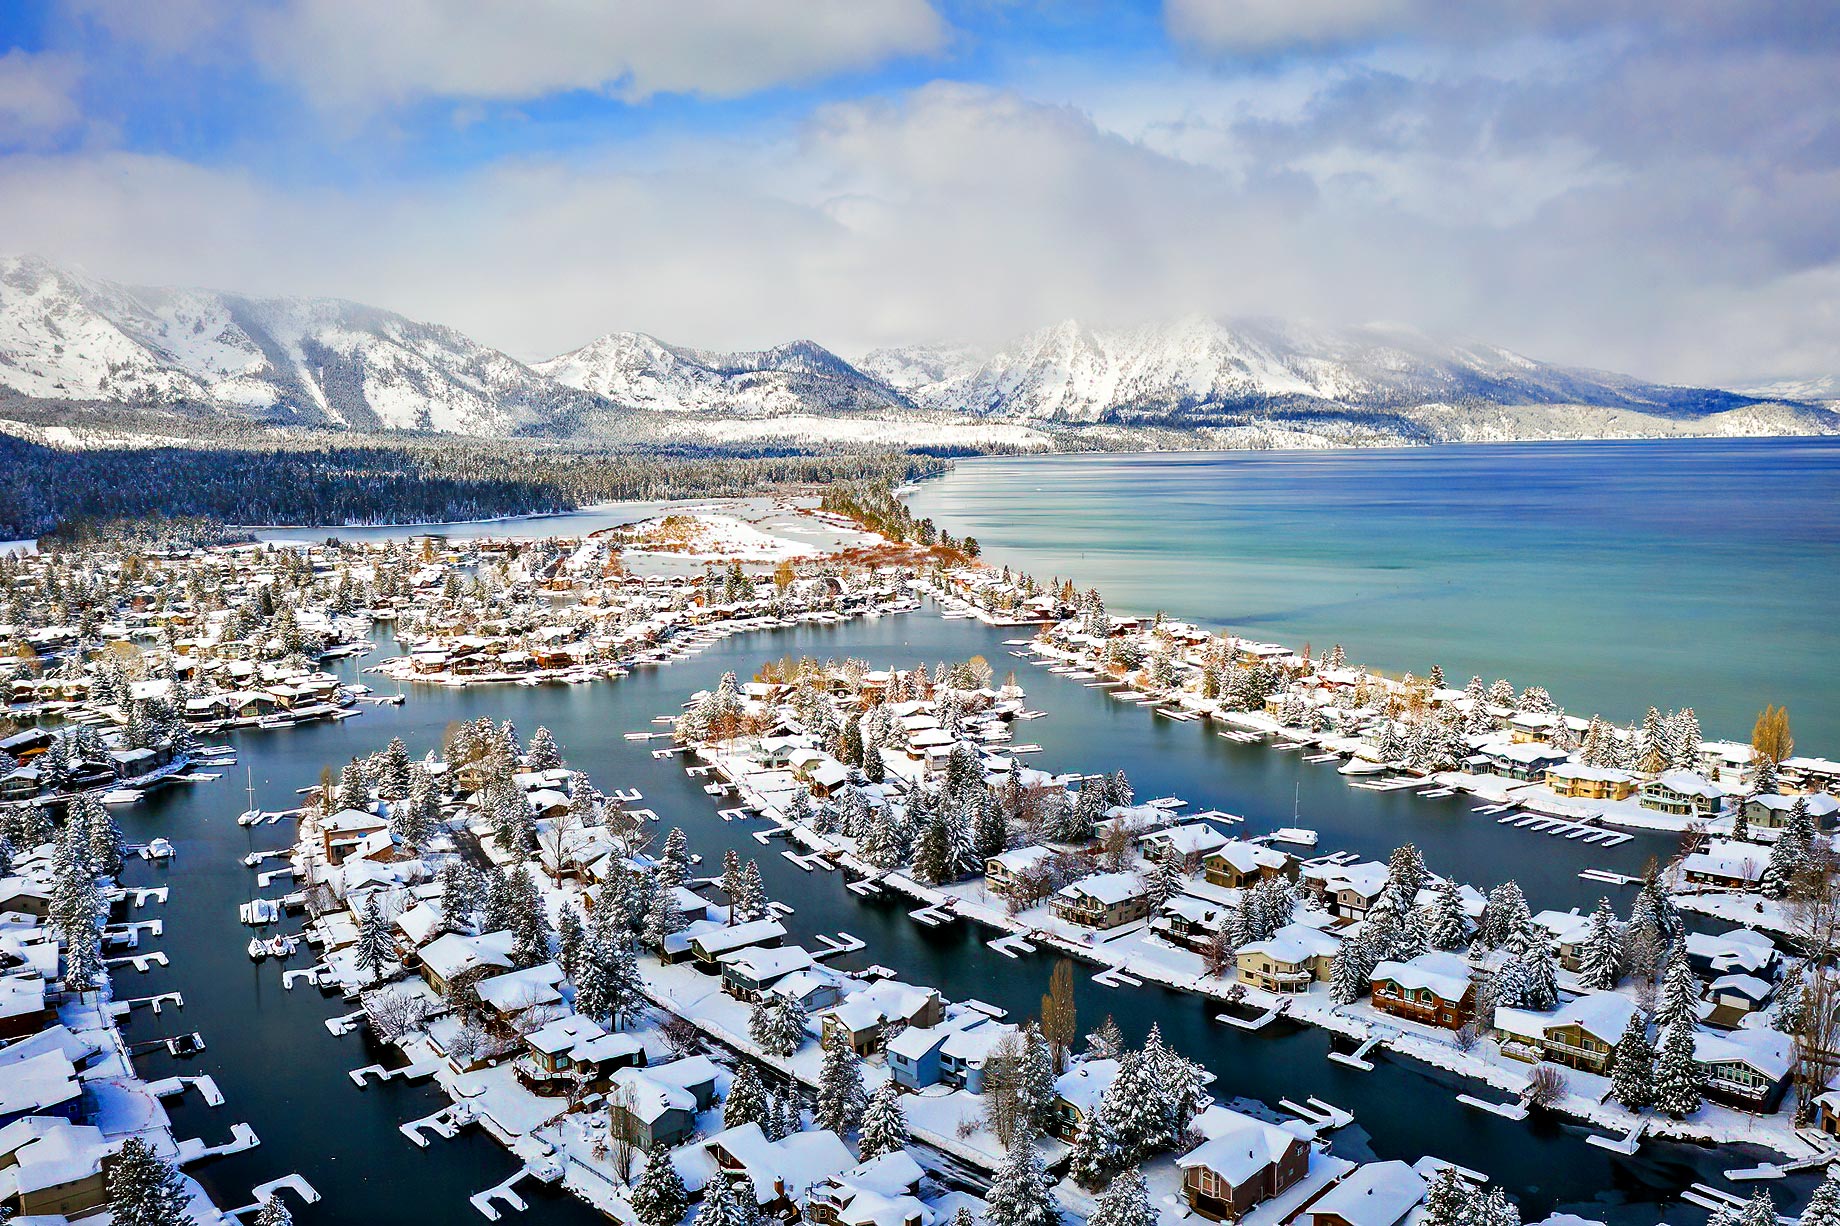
(330, 364)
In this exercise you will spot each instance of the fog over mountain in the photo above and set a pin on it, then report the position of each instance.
(333, 364)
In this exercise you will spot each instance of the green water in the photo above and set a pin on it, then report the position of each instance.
(1699, 573)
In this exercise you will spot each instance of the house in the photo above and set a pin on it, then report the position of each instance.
(515, 994)
(777, 1173)
(1683, 794)
(1243, 1163)
(882, 1010)
(23, 1007)
(1740, 951)
(456, 954)
(967, 1051)
(1237, 864)
(1570, 932)
(657, 1106)
(1747, 1069)
(574, 1049)
(1103, 900)
(1526, 761)
(1581, 1033)
(1434, 988)
(1186, 843)
(1002, 873)
(1290, 960)
(1191, 922)
(747, 973)
(341, 833)
(913, 1056)
(708, 947)
(1770, 810)
(44, 1084)
(1726, 862)
(1580, 782)
(814, 988)
(1734, 996)
(883, 1191)
(52, 1167)
(1374, 1194)
(1077, 1093)
(1346, 890)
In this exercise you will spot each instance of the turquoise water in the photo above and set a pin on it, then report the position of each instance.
(1701, 573)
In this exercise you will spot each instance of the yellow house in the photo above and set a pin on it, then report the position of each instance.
(1289, 960)
(1590, 782)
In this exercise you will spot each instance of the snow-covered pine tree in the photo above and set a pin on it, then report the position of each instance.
(1603, 950)
(1096, 1153)
(777, 1024)
(1679, 993)
(747, 1098)
(593, 983)
(731, 882)
(1540, 984)
(1449, 928)
(1035, 1094)
(375, 948)
(1125, 1203)
(1022, 1193)
(1824, 1206)
(1678, 1079)
(144, 1189)
(1632, 1069)
(543, 755)
(884, 1125)
(840, 1085)
(752, 903)
(1447, 1200)
(1759, 1211)
(274, 1213)
(571, 935)
(659, 1198)
(1351, 977)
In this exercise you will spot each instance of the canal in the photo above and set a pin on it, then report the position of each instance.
(284, 1073)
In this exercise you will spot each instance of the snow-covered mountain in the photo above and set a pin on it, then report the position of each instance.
(1199, 371)
(643, 372)
(292, 361)
(332, 364)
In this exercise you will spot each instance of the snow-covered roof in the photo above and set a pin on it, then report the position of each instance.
(1376, 1194)
(1447, 975)
(1108, 888)
(1240, 1147)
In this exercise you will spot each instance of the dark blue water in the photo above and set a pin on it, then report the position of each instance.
(284, 1073)
(1701, 573)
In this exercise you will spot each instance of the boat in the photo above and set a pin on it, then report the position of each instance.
(1361, 766)
(257, 950)
(251, 815)
(158, 849)
(121, 796)
(1295, 835)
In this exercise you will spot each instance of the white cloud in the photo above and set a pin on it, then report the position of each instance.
(355, 56)
(957, 210)
(37, 98)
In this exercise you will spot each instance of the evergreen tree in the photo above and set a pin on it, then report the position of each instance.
(1035, 1093)
(274, 1213)
(1678, 1079)
(726, 1203)
(1760, 1211)
(747, 1098)
(1447, 1200)
(840, 1085)
(777, 1024)
(594, 991)
(659, 1198)
(375, 948)
(571, 937)
(1603, 950)
(1022, 1194)
(543, 754)
(1824, 1206)
(144, 1189)
(884, 1127)
(1449, 925)
(1125, 1203)
(1632, 1072)
(1096, 1153)
(1352, 975)
(1679, 993)
(933, 852)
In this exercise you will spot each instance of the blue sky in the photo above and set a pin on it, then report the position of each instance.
(1646, 185)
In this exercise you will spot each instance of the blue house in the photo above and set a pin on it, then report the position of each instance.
(913, 1056)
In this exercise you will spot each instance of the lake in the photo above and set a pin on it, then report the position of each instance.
(285, 1074)
(1681, 572)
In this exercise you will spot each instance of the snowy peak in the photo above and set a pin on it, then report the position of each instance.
(319, 362)
(642, 372)
(1201, 371)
